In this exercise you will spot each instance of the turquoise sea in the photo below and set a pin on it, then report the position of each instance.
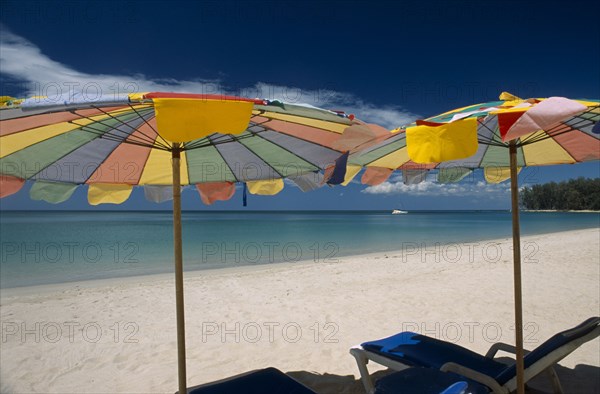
(44, 247)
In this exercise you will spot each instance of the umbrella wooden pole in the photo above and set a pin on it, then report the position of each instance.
(514, 189)
(178, 269)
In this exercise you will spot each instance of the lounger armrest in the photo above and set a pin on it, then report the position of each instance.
(474, 375)
(505, 347)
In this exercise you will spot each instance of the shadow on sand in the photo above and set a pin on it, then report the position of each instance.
(583, 379)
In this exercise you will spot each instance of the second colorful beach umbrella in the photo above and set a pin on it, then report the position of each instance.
(163, 141)
(499, 137)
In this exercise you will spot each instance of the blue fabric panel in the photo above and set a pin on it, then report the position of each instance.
(243, 163)
(339, 171)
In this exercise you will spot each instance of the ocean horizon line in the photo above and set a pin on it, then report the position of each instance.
(258, 210)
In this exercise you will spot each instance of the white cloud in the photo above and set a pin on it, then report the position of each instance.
(432, 188)
(389, 116)
(23, 61)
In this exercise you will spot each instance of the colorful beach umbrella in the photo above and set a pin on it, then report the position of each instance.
(499, 137)
(163, 141)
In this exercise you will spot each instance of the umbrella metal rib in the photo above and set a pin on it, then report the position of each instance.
(149, 125)
(150, 142)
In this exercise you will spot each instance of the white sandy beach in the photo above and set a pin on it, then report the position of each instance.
(119, 336)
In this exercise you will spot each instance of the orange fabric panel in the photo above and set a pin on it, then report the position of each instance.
(215, 191)
(126, 163)
(375, 175)
(11, 126)
(322, 137)
(582, 146)
(10, 185)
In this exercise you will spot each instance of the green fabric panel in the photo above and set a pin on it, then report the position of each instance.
(520, 157)
(51, 192)
(447, 117)
(283, 161)
(376, 154)
(495, 156)
(452, 175)
(591, 114)
(206, 165)
(27, 162)
(498, 156)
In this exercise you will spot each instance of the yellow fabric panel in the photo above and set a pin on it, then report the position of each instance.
(159, 169)
(320, 124)
(265, 188)
(505, 96)
(14, 142)
(105, 193)
(450, 141)
(392, 160)
(183, 120)
(497, 174)
(7, 101)
(351, 171)
(545, 152)
(137, 96)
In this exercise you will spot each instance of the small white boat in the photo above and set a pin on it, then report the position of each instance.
(398, 212)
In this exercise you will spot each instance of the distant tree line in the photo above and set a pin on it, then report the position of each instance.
(574, 194)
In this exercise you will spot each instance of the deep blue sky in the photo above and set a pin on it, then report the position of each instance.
(404, 58)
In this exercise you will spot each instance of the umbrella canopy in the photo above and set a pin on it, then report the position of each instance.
(162, 141)
(117, 144)
(477, 137)
(500, 137)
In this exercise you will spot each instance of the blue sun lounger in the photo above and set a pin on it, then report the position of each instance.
(408, 349)
(273, 381)
(268, 380)
(427, 380)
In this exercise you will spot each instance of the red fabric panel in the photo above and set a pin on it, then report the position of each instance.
(202, 97)
(10, 185)
(582, 146)
(215, 191)
(428, 123)
(506, 120)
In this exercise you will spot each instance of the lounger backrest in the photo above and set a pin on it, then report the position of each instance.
(556, 342)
